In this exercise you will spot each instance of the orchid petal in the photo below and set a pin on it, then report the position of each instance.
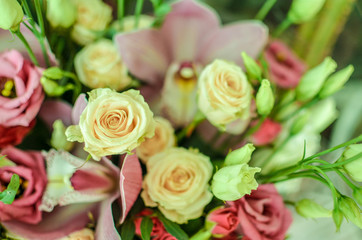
(79, 105)
(52, 110)
(9, 41)
(185, 26)
(59, 223)
(105, 229)
(144, 54)
(130, 183)
(228, 42)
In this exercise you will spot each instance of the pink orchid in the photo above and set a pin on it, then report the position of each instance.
(171, 57)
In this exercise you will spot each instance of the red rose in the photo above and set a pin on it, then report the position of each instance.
(226, 219)
(262, 214)
(284, 67)
(31, 170)
(10, 136)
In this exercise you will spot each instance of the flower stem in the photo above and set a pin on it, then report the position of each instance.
(41, 35)
(28, 48)
(264, 10)
(120, 12)
(138, 10)
(282, 27)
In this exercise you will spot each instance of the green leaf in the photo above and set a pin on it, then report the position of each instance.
(9, 194)
(128, 230)
(173, 228)
(146, 228)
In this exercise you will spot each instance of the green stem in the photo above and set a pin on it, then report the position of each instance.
(120, 11)
(265, 9)
(352, 141)
(27, 11)
(341, 163)
(346, 180)
(331, 185)
(282, 27)
(41, 36)
(307, 105)
(78, 85)
(28, 48)
(138, 10)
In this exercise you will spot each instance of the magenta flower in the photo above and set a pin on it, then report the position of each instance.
(170, 58)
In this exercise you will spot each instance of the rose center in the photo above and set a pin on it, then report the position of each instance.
(7, 88)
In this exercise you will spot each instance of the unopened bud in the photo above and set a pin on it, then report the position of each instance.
(264, 98)
(300, 122)
(350, 210)
(239, 156)
(53, 73)
(312, 81)
(337, 218)
(354, 168)
(310, 209)
(357, 195)
(52, 88)
(11, 15)
(336, 81)
(61, 13)
(251, 66)
(58, 139)
(304, 10)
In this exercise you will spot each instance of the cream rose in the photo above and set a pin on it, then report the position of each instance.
(164, 138)
(177, 182)
(224, 95)
(92, 16)
(113, 123)
(84, 234)
(99, 65)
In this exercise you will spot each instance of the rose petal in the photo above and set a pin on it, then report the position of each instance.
(130, 183)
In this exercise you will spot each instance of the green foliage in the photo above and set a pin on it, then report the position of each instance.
(8, 195)
(128, 230)
(173, 228)
(146, 228)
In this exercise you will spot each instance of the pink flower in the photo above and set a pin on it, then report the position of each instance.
(169, 59)
(73, 193)
(267, 132)
(31, 170)
(262, 214)
(158, 231)
(21, 93)
(285, 68)
(226, 219)
(11, 136)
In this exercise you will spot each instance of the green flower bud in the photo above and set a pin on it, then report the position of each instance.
(252, 68)
(233, 182)
(335, 82)
(310, 209)
(11, 15)
(53, 73)
(264, 98)
(350, 210)
(304, 10)
(313, 80)
(299, 122)
(337, 218)
(52, 89)
(354, 168)
(61, 13)
(239, 156)
(58, 139)
(286, 111)
(357, 195)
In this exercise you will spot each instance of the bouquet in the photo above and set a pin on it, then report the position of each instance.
(152, 120)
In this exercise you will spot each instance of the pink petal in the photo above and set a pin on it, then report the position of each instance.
(52, 110)
(228, 42)
(59, 223)
(12, 42)
(185, 26)
(105, 229)
(130, 183)
(144, 53)
(78, 108)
